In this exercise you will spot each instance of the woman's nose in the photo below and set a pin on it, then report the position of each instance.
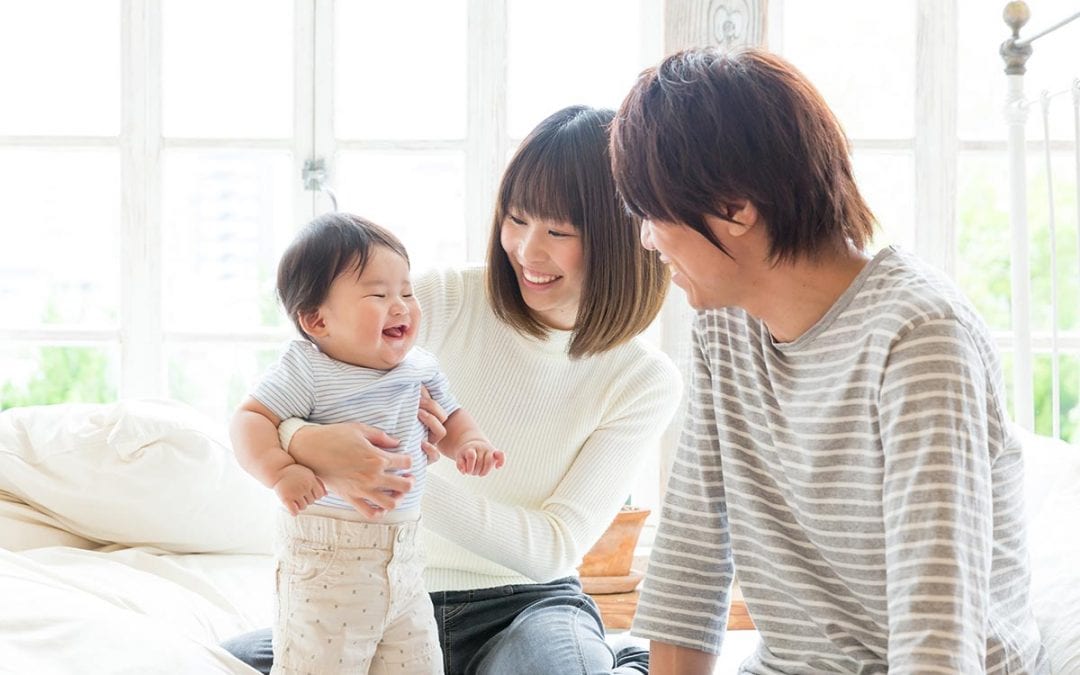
(529, 248)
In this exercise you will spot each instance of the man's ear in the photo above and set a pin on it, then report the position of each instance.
(313, 323)
(741, 217)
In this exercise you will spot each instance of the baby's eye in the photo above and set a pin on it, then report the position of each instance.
(377, 295)
(407, 295)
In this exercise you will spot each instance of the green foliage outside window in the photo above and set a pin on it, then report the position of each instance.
(64, 375)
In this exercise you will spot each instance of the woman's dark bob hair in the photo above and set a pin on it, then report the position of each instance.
(707, 130)
(329, 246)
(562, 172)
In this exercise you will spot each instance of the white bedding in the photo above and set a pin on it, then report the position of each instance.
(134, 544)
(130, 542)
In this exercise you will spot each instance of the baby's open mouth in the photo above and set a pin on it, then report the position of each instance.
(396, 331)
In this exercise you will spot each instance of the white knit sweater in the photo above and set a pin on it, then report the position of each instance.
(574, 432)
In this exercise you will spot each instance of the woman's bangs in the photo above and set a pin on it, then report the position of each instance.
(546, 187)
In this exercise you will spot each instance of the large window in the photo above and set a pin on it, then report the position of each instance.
(920, 90)
(152, 156)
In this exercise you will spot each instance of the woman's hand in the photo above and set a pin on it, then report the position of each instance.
(433, 417)
(350, 460)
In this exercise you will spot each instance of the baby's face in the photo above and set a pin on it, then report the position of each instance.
(371, 319)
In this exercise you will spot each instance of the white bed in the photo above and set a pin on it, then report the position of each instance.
(132, 543)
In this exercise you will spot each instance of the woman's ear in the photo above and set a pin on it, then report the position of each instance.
(313, 323)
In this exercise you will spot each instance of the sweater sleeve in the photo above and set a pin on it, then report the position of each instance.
(552, 539)
(935, 422)
(439, 293)
(687, 590)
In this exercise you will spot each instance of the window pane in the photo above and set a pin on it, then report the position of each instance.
(1042, 387)
(985, 239)
(1064, 177)
(886, 181)
(983, 263)
(565, 52)
(214, 378)
(221, 77)
(866, 76)
(418, 196)
(228, 215)
(982, 80)
(60, 67)
(46, 375)
(60, 224)
(399, 69)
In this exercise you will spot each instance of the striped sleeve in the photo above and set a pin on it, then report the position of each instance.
(686, 594)
(938, 511)
(288, 388)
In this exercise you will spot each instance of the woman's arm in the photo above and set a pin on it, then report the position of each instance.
(543, 543)
(350, 460)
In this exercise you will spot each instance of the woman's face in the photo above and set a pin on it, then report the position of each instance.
(548, 259)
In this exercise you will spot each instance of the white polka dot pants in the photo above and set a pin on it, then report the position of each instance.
(351, 598)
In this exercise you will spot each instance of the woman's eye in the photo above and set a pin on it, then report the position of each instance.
(556, 233)
(517, 221)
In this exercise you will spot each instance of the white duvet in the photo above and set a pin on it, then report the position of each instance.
(131, 542)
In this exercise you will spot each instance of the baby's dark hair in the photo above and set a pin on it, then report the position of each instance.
(329, 246)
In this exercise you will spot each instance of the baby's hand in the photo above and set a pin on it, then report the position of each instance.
(298, 487)
(478, 458)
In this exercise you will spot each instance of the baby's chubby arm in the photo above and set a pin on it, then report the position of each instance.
(255, 441)
(468, 446)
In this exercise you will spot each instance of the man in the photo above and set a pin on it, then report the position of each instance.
(846, 448)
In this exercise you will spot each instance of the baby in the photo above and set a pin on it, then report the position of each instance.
(349, 588)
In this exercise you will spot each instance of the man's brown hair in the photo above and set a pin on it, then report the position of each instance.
(562, 172)
(706, 130)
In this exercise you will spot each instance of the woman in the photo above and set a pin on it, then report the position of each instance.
(541, 347)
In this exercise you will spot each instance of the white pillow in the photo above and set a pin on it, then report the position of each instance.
(138, 473)
(1052, 476)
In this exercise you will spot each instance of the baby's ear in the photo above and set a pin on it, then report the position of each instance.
(312, 323)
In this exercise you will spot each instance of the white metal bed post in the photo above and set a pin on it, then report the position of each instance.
(1055, 370)
(1016, 55)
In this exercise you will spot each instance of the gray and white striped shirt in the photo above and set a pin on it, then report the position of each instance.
(863, 482)
(308, 384)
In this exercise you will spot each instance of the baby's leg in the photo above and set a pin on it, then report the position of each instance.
(410, 642)
(332, 599)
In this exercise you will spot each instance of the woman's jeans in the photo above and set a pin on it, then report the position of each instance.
(532, 629)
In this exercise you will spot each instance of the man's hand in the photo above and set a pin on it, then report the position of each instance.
(298, 488)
